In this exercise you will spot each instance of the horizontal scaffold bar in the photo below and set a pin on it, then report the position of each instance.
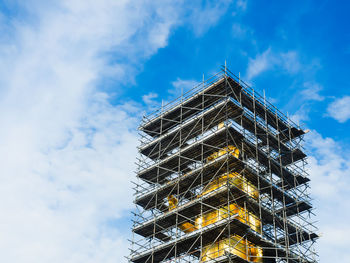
(186, 109)
(216, 198)
(160, 146)
(226, 109)
(197, 151)
(201, 149)
(190, 242)
(203, 175)
(225, 86)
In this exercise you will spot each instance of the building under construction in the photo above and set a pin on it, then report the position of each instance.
(221, 178)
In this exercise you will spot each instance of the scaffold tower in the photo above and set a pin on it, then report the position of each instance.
(221, 178)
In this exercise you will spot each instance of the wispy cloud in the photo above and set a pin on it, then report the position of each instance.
(181, 86)
(240, 31)
(202, 19)
(242, 4)
(311, 91)
(329, 169)
(340, 109)
(151, 101)
(301, 115)
(68, 152)
(269, 60)
(149, 98)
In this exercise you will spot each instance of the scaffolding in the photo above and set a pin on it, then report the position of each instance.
(221, 178)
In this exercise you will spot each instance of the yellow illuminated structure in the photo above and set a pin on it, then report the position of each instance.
(229, 149)
(242, 248)
(233, 210)
(172, 200)
(234, 179)
(235, 245)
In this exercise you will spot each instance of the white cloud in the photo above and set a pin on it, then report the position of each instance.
(289, 61)
(238, 30)
(149, 98)
(340, 109)
(242, 4)
(301, 115)
(241, 31)
(68, 153)
(151, 101)
(259, 64)
(207, 16)
(329, 168)
(58, 200)
(269, 60)
(181, 86)
(311, 91)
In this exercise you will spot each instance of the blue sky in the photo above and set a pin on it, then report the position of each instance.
(313, 32)
(77, 76)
